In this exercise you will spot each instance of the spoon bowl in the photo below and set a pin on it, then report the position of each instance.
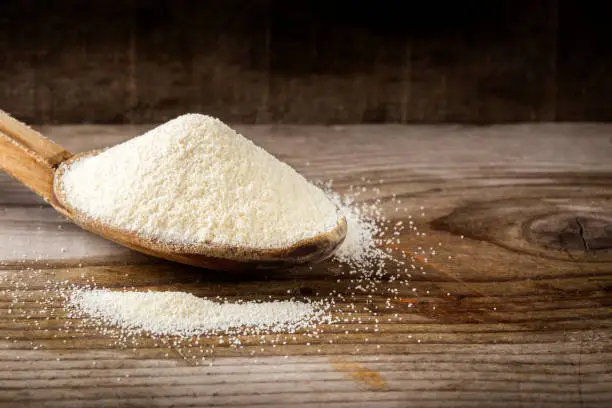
(40, 164)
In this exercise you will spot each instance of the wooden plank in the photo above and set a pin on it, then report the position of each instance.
(305, 62)
(514, 308)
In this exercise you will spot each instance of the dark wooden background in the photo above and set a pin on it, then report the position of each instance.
(306, 61)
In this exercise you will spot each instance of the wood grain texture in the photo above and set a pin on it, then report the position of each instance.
(517, 313)
(137, 61)
(29, 156)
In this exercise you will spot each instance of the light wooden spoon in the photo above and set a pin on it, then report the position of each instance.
(35, 161)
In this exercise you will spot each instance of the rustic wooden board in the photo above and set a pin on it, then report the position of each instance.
(306, 62)
(517, 313)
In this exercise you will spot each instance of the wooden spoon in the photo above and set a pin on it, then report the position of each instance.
(35, 161)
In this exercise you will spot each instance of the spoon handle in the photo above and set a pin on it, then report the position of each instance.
(29, 156)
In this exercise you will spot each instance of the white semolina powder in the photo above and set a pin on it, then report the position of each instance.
(373, 276)
(361, 241)
(195, 180)
(183, 314)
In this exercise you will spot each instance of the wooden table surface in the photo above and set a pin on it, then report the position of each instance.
(514, 309)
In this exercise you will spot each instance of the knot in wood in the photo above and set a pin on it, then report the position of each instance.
(572, 232)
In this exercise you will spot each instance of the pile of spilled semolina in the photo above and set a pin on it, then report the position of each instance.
(194, 180)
